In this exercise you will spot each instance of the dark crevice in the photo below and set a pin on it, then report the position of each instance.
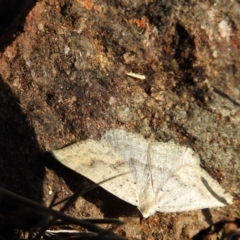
(184, 53)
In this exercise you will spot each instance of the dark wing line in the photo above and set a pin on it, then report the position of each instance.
(220, 199)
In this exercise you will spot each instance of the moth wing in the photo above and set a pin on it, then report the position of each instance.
(98, 161)
(149, 159)
(133, 148)
(191, 188)
(129, 145)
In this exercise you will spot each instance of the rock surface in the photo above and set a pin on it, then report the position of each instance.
(63, 79)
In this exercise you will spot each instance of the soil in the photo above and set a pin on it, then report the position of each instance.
(63, 68)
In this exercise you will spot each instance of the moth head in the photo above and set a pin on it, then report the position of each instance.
(147, 210)
(147, 201)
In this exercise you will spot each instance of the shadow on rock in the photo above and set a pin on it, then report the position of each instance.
(20, 172)
(12, 19)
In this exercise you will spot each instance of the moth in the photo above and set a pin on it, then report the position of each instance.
(160, 176)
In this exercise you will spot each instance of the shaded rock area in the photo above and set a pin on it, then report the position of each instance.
(63, 79)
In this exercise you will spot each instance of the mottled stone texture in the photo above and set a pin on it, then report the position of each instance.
(64, 79)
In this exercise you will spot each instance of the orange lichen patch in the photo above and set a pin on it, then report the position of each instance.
(235, 41)
(58, 9)
(166, 49)
(97, 8)
(35, 12)
(86, 3)
(141, 23)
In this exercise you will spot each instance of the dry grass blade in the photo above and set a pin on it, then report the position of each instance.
(52, 214)
(70, 200)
